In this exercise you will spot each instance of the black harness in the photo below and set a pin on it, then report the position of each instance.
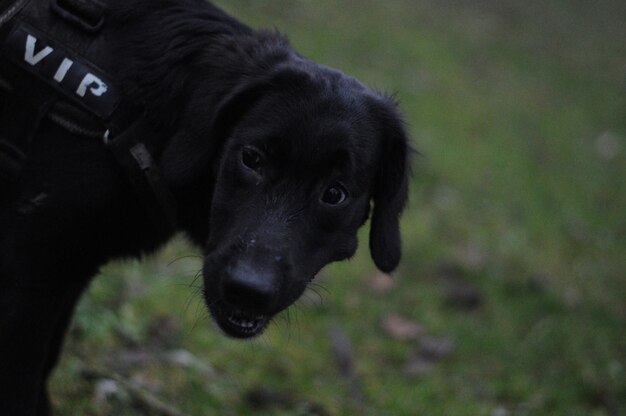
(52, 65)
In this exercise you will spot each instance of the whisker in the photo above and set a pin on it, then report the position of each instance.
(319, 296)
(197, 316)
(196, 277)
(187, 256)
(320, 286)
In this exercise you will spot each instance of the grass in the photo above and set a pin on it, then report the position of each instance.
(518, 109)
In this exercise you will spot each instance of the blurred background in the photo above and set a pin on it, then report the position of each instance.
(511, 298)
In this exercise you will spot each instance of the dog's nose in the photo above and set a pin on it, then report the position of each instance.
(251, 288)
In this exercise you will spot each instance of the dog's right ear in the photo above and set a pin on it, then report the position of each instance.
(205, 130)
(236, 104)
(232, 108)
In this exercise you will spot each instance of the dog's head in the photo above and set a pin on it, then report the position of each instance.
(304, 154)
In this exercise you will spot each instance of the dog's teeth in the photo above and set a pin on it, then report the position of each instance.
(244, 321)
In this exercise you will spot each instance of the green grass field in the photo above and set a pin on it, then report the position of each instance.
(511, 298)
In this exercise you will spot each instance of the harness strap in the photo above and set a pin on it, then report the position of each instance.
(52, 77)
(11, 10)
(135, 158)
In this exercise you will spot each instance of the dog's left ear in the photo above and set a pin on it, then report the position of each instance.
(390, 189)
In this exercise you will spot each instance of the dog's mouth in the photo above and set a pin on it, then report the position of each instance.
(237, 323)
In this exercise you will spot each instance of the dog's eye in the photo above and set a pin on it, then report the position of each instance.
(334, 195)
(251, 158)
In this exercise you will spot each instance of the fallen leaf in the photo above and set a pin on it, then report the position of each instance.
(164, 332)
(381, 283)
(436, 349)
(104, 389)
(472, 256)
(401, 328)
(416, 366)
(500, 411)
(341, 347)
(262, 398)
(608, 145)
(447, 270)
(464, 296)
(432, 350)
(458, 290)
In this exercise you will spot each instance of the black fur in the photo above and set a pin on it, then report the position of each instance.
(255, 137)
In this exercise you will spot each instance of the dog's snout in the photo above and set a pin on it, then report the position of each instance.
(251, 287)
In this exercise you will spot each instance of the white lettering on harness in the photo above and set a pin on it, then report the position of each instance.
(29, 54)
(95, 85)
(63, 68)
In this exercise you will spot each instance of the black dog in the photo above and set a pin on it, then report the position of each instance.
(267, 160)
